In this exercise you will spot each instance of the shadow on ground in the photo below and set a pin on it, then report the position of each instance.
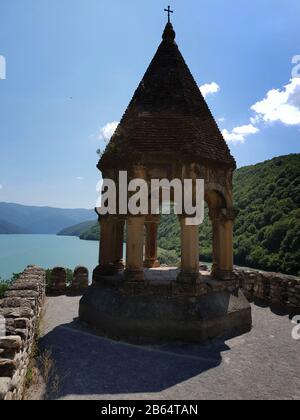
(91, 365)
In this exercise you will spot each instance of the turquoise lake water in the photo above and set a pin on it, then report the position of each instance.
(47, 251)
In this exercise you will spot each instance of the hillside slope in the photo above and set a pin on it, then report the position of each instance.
(7, 228)
(78, 230)
(267, 229)
(41, 220)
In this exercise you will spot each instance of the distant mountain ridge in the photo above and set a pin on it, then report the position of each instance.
(17, 218)
(10, 228)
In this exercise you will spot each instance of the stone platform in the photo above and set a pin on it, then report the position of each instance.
(161, 310)
(260, 365)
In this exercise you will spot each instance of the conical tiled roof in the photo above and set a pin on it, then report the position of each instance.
(168, 114)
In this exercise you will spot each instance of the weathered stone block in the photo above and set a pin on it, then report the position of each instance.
(24, 285)
(22, 333)
(7, 368)
(16, 302)
(11, 343)
(80, 278)
(58, 280)
(21, 294)
(5, 385)
(22, 323)
(17, 312)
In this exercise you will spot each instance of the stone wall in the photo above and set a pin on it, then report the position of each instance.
(58, 281)
(19, 312)
(278, 291)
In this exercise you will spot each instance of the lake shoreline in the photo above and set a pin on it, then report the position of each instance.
(47, 251)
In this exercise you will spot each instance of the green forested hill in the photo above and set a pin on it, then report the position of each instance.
(267, 229)
(77, 230)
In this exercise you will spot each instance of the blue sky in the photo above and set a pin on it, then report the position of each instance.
(73, 65)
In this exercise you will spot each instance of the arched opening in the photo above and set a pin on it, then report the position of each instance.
(205, 240)
(169, 243)
(168, 240)
(222, 234)
(162, 238)
(162, 228)
(214, 202)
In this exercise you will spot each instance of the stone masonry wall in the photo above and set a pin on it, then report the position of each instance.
(21, 307)
(278, 291)
(58, 281)
(19, 313)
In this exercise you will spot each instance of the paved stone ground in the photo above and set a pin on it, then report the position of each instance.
(264, 364)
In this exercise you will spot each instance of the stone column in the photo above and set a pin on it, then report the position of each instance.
(107, 252)
(189, 253)
(226, 244)
(135, 249)
(119, 262)
(151, 225)
(216, 251)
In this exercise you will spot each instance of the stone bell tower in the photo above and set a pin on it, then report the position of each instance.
(167, 132)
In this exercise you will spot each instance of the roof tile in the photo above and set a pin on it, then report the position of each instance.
(168, 113)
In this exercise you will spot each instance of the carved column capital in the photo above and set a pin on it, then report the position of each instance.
(228, 215)
(215, 215)
(152, 219)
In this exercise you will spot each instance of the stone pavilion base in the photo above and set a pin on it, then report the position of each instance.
(161, 310)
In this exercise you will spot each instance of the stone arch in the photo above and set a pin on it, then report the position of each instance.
(152, 222)
(217, 193)
(222, 216)
(219, 200)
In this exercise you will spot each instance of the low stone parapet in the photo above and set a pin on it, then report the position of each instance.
(277, 290)
(19, 313)
(58, 280)
(62, 281)
(80, 278)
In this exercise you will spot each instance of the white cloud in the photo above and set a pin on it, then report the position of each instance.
(1, 187)
(280, 105)
(209, 88)
(239, 134)
(255, 120)
(80, 178)
(108, 130)
(221, 120)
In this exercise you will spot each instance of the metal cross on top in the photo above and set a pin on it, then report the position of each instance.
(169, 11)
